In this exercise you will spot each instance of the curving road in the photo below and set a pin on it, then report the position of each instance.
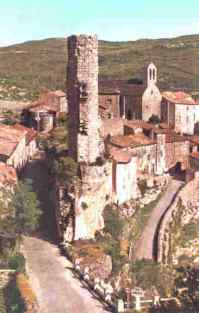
(145, 246)
(52, 280)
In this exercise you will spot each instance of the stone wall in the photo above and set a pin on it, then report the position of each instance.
(177, 152)
(5, 277)
(183, 209)
(109, 106)
(126, 181)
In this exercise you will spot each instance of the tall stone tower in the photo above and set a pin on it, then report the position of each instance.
(151, 99)
(82, 90)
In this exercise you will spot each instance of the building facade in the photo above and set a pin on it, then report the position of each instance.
(180, 111)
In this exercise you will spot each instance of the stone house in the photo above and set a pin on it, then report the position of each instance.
(17, 145)
(158, 150)
(130, 100)
(180, 111)
(43, 114)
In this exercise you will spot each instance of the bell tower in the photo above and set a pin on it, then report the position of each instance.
(82, 91)
(151, 75)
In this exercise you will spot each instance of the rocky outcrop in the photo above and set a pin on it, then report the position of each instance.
(184, 208)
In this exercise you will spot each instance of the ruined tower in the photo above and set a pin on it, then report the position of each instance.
(82, 90)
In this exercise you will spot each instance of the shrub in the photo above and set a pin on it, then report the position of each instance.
(114, 223)
(17, 262)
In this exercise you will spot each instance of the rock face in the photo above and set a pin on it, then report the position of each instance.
(184, 209)
(95, 195)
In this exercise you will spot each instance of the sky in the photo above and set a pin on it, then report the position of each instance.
(114, 20)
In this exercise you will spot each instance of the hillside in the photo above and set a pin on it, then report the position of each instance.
(37, 64)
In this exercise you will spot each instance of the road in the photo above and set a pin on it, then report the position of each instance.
(145, 246)
(52, 280)
(50, 273)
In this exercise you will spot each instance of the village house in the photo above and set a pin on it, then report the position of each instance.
(43, 114)
(158, 150)
(180, 111)
(130, 99)
(17, 145)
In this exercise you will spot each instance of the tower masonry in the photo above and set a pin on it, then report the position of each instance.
(82, 90)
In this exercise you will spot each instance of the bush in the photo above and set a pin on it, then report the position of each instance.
(14, 301)
(114, 223)
(142, 184)
(147, 273)
(17, 262)
(65, 170)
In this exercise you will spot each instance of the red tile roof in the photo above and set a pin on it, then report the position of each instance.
(7, 174)
(125, 141)
(194, 139)
(139, 124)
(120, 156)
(195, 155)
(111, 87)
(178, 97)
(11, 135)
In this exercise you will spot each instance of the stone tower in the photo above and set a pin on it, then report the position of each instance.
(82, 90)
(151, 99)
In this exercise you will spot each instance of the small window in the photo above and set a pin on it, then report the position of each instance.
(154, 74)
(150, 74)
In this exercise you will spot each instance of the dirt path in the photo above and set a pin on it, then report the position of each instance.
(144, 248)
(56, 289)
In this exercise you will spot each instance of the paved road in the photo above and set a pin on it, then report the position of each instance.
(144, 248)
(56, 289)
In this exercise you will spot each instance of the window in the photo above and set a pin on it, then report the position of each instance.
(154, 74)
(150, 74)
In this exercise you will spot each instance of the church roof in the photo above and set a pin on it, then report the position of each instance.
(121, 87)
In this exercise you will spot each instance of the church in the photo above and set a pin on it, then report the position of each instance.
(131, 99)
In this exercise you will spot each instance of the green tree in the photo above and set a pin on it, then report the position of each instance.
(187, 289)
(65, 169)
(24, 212)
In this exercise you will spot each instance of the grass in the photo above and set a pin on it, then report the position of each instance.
(34, 65)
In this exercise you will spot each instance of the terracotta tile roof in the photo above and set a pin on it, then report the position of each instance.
(7, 174)
(120, 156)
(171, 136)
(30, 133)
(178, 97)
(194, 139)
(139, 124)
(111, 87)
(11, 135)
(164, 125)
(58, 93)
(125, 141)
(195, 155)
